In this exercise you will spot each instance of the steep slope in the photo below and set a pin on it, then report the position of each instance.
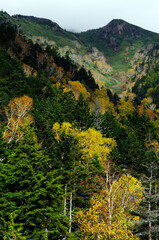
(112, 38)
(147, 89)
(120, 41)
(130, 50)
(39, 28)
(115, 54)
(52, 156)
(22, 61)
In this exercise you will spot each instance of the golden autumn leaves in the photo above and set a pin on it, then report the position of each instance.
(17, 113)
(109, 217)
(109, 214)
(91, 141)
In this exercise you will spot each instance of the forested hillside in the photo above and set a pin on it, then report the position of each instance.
(148, 87)
(76, 161)
(117, 55)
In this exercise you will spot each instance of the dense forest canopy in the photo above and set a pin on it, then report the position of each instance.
(76, 161)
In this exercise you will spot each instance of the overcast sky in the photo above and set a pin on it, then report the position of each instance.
(82, 15)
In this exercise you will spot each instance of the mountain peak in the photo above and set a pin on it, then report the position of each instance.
(119, 26)
(117, 21)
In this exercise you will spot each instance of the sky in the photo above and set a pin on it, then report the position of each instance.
(83, 15)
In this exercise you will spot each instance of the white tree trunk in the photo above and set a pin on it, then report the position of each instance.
(65, 200)
(70, 213)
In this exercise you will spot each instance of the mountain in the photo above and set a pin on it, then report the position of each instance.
(70, 151)
(117, 54)
(130, 50)
(33, 27)
(118, 39)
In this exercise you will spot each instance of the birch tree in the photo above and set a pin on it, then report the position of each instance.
(109, 215)
(149, 211)
(17, 113)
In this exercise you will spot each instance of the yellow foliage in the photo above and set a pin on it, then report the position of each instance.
(93, 143)
(17, 113)
(108, 216)
(155, 143)
(129, 95)
(128, 187)
(65, 128)
(101, 99)
(146, 102)
(77, 88)
(149, 91)
(125, 108)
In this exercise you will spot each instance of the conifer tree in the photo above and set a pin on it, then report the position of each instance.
(30, 186)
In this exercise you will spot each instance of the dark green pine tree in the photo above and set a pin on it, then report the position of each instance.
(78, 175)
(12, 231)
(54, 106)
(84, 117)
(31, 188)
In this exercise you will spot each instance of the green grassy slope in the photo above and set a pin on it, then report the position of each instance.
(118, 39)
(33, 26)
(110, 53)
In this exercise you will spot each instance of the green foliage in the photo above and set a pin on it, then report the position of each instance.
(12, 231)
(86, 79)
(148, 86)
(56, 106)
(32, 189)
(40, 172)
(119, 41)
(33, 26)
(131, 136)
(7, 33)
(83, 117)
(126, 38)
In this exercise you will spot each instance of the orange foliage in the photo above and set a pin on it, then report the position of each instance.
(69, 75)
(60, 73)
(29, 71)
(151, 114)
(142, 109)
(26, 46)
(53, 79)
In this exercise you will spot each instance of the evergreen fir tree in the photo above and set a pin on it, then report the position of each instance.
(30, 186)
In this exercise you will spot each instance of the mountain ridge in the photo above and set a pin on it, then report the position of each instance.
(114, 54)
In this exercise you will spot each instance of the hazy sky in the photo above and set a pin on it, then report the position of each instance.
(82, 15)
